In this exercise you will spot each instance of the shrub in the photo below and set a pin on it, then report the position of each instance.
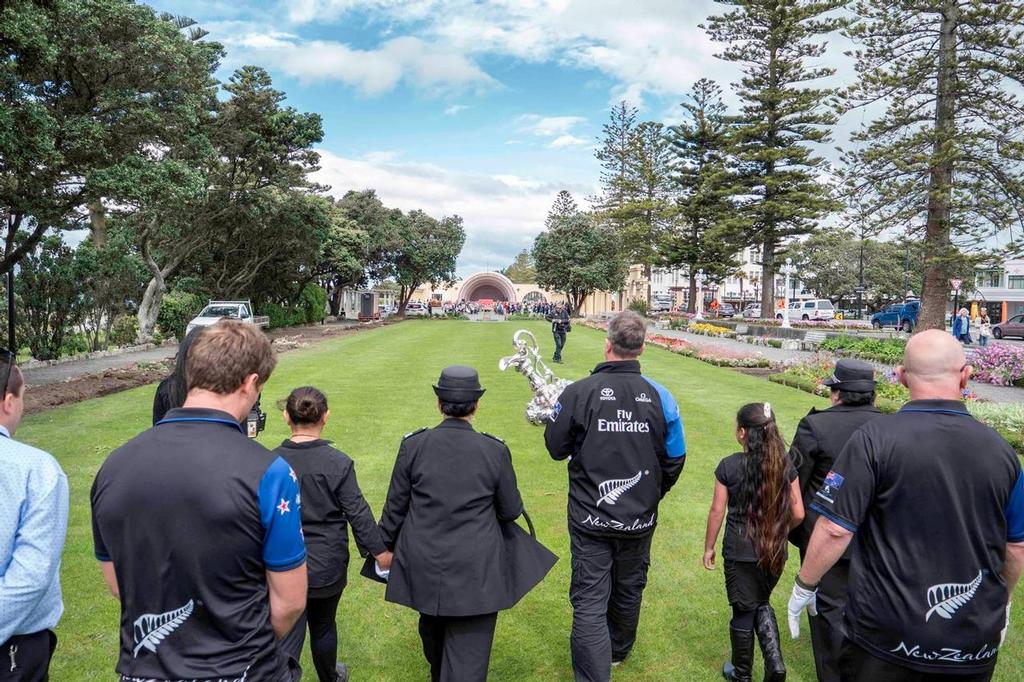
(313, 304)
(75, 344)
(283, 317)
(639, 306)
(999, 364)
(709, 329)
(889, 351)
(124, 330)
(176, 310)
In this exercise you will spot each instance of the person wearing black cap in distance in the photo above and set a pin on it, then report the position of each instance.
(819, 439)
(458, 559)
(331, 501)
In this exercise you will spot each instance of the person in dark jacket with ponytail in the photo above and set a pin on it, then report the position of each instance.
(171, 392)
(331, 501)
(759, 488)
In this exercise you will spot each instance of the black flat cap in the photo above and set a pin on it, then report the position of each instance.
(852, 375)
(459, 384)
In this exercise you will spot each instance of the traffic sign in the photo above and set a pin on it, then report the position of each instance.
(956, 283)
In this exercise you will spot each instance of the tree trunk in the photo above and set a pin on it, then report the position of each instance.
(149, 309)
(768, 281)
(98, 223)
(691, 306)
(335, 300)
(936, 240)
(648, 272)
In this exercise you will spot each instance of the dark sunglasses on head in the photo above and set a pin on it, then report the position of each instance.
(8, 359)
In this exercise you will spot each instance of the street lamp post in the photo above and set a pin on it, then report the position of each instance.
(787, 270)
(700, 295)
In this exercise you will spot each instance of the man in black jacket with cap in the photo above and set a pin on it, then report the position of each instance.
(457, 558)
(819, 439)
(560, 326)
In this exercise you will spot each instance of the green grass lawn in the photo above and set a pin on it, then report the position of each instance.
(379, 387)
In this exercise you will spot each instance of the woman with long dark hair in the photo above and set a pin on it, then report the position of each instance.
(171, 392)
(758, 487)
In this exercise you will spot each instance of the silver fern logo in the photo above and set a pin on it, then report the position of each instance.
(611, 490)
(152, 628)
(946, 599)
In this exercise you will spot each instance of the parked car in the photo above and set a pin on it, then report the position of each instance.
(233, 310)
(1012, 327)
(416, 309)
(661, 303)
(816, 309)
(751, 312)
(901, 316)
(725, 310)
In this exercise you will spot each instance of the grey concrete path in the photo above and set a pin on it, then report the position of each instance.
(39, 376)
(999, 394)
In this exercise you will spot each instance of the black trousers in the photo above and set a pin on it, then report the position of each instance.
(26, 658)
(608, 580)
(321, 619)
(827, 632)
(858, 665)
(458, 649)
(559, 344)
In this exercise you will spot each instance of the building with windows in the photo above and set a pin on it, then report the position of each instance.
(1000, 288)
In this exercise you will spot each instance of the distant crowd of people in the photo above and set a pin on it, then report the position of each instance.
(538, 308)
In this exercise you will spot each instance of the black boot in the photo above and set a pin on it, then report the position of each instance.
(771, 645)
(738, 669)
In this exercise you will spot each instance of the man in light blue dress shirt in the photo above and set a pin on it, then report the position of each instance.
(33, 524)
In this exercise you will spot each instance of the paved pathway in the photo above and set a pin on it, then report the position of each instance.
(39, 376)
(999, 394)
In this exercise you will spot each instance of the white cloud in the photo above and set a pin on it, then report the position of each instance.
(548, 126)
(568, 141)
(502, 214)
(455, 109)
(428, 66)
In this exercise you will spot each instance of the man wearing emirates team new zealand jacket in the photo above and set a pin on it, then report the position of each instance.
(624, 439)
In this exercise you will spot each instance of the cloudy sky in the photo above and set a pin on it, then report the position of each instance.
(481, 108)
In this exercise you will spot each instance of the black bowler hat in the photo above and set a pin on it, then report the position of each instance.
(459, 384)
(852, 375)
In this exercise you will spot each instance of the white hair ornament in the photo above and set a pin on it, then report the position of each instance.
(767, 410)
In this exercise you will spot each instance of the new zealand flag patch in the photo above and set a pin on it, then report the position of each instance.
(556, 411)
(834, 480)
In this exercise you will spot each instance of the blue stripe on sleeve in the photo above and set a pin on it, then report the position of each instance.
(281, 514)
(842, 523)
(1015, 512)
(675, 439)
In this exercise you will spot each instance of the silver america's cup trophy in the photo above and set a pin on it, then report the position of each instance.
(546, 386)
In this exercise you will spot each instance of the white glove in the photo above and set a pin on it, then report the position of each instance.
(801, 599)
(1002, 635)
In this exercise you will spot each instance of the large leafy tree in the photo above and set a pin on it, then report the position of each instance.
(577, 255)
(522, 270)
(428, 251)
(86, 88)
(944, 161)
(782, 115)
(702, 238)
(49, 285)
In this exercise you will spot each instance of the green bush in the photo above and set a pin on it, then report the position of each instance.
(124, 330)
(313, 304)
(281, 316)
(889, 351)
(176, 310)
(639, 306)
(75, 344)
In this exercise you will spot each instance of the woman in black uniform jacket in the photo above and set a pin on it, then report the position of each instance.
(458, 558)
(331, 500)
(759, 487)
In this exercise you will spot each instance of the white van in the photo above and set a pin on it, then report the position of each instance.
(818, 309)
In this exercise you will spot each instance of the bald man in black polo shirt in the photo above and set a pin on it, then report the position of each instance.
(936, 502)
(198, 529)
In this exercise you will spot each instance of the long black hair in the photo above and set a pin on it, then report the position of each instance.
(764, 493)
(179, 381)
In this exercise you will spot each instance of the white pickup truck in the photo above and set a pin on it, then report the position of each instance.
(234, 310)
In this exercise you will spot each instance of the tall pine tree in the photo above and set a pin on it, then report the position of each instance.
(614, 155)
(781, 114)
(945, 160)
(701, 238)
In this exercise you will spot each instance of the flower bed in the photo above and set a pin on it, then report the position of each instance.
(999, 364)
(707, 329)
(837, 325)
(713, 355)
(889, 351)
(1006, 418)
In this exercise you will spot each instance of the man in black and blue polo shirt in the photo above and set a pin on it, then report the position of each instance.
(198, 529)
(936, 501)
